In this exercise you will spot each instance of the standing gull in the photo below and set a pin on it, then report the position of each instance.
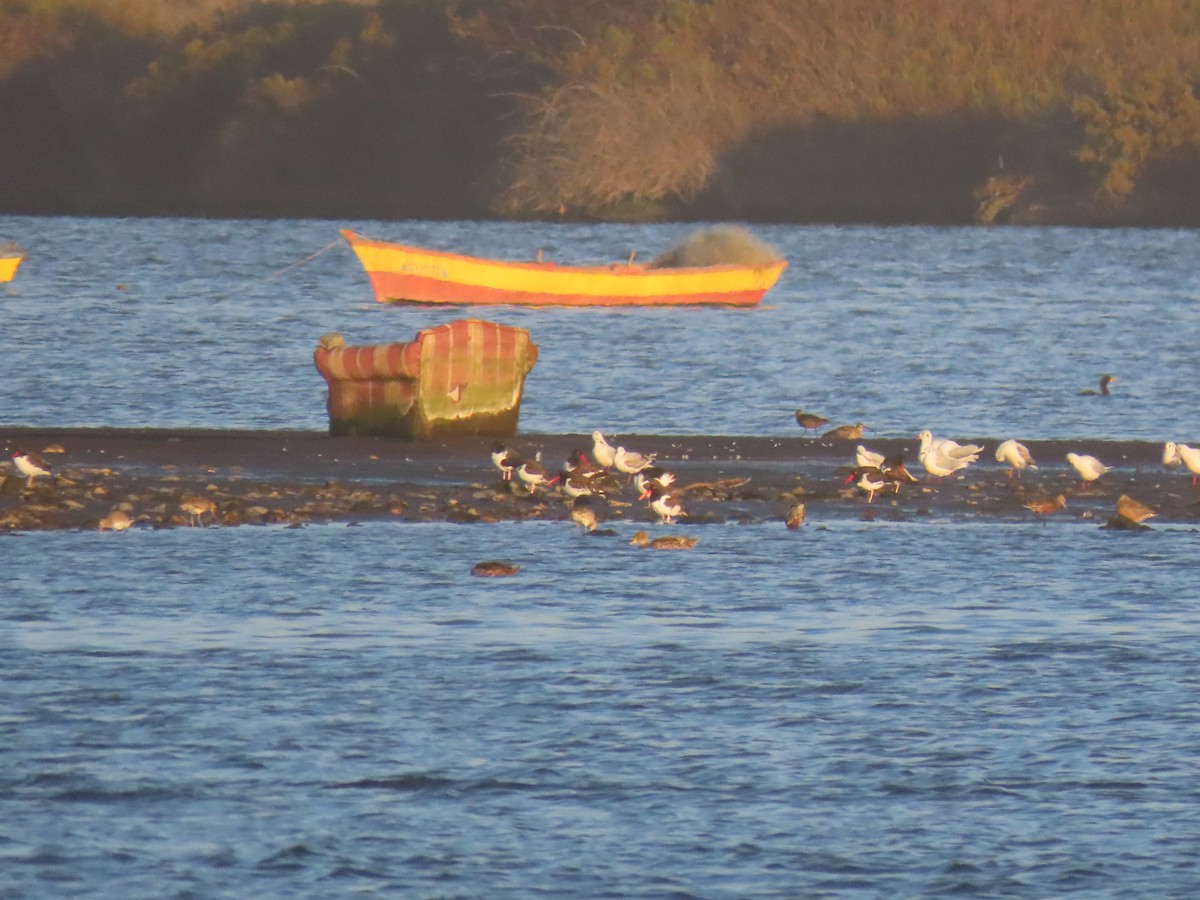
(1017, 456)
(1174, 453)
(1088, 467)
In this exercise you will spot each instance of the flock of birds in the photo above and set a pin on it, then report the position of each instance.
(582, 480)
(942, 457)
(32, 466)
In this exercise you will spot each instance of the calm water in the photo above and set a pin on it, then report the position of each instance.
(940, 706)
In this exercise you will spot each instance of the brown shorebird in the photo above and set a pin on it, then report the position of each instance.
(117, 520)
(846, 432)
(810, 421)
(795, 516)
(583, 514)
(1134, 510)
(666, 542)
(1046, 507)
(197, 508)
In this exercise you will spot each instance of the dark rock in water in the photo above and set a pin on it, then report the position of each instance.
(602, 532)
(1120, 523)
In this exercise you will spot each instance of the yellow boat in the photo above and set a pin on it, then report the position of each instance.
(404, 274)
(10, 258)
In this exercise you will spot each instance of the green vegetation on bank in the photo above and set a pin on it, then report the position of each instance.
(1077, 111)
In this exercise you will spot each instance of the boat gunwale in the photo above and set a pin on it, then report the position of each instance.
(614, 268)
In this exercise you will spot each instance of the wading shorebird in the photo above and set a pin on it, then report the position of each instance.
(810, 421)
(669, 507)
(846, 432)
(30, 465)
(869, 479)
(197, 508)
(1046, 507)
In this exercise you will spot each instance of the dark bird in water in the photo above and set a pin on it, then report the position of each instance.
(666, 542)
(847, 432)
(1105, 381)
(810, 421)
(495, 569)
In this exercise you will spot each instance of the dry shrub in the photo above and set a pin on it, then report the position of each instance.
(722, 245)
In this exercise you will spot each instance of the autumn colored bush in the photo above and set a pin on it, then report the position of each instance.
(833, 110)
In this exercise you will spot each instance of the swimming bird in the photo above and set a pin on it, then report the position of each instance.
(870, 479)
(505, 460)
(629, 462)
(666, 542)
(668, 506)
(602, 451)
(846, 432)
(810, 421)
(795, 515)
(495, 569)
(583, 513)
(1046, 507)
(1088, 467)
(865, 457)
(197, 508)
(1017, 456)
(1134, 510)
(30, 465)
(1182, 453)
(1105, 381)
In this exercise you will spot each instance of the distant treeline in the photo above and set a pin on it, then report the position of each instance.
(884, 111)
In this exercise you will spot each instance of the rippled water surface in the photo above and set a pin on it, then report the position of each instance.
(321, 711)
(948, 705)
(968, 331)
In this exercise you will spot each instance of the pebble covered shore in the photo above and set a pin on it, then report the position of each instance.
(128, 479)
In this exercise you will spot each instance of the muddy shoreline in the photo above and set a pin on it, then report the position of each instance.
(296, 477)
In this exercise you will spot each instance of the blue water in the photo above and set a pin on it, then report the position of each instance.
(993, 333)
(947, 705)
